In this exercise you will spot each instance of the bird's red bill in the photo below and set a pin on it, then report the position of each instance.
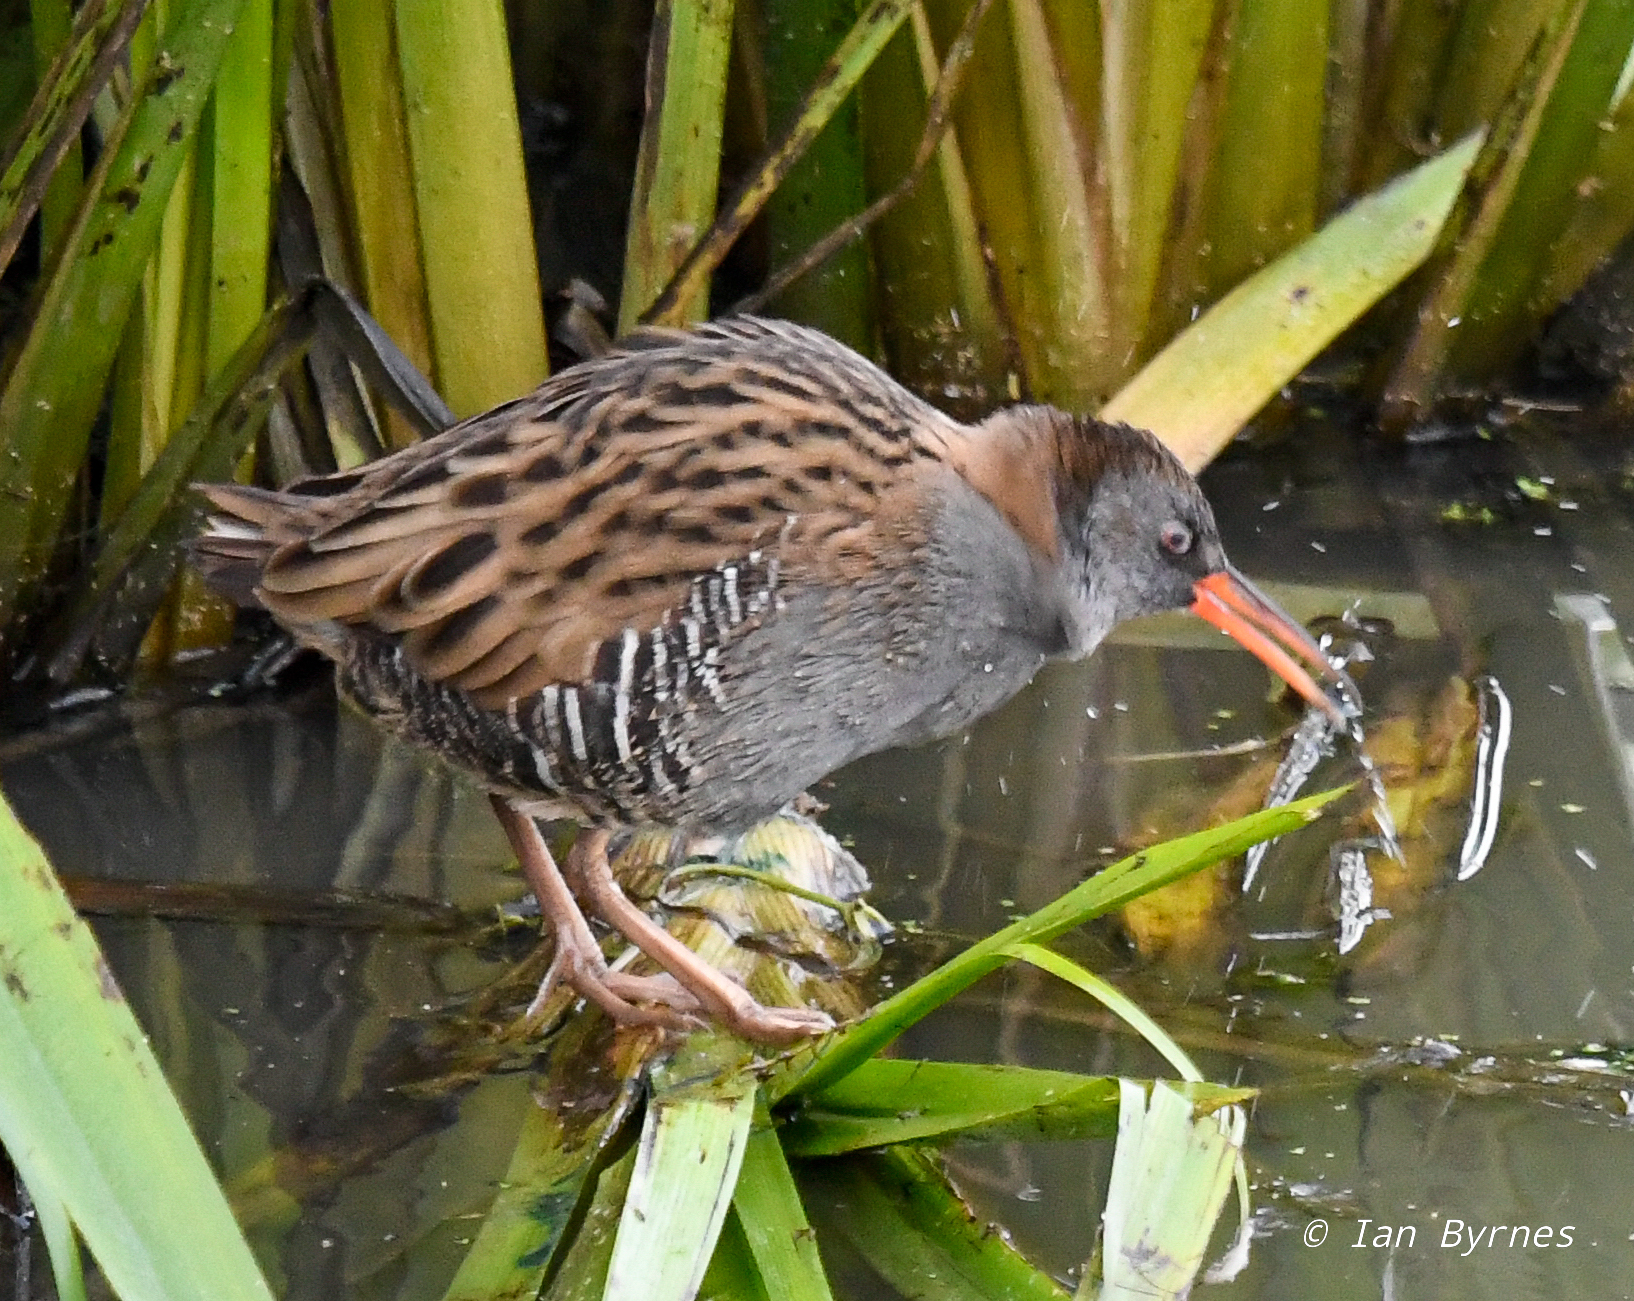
(1233, 604)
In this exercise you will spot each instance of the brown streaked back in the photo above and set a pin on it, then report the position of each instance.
(504, 552)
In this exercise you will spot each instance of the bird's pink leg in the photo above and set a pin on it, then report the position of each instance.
(579, 959)
(723, 998)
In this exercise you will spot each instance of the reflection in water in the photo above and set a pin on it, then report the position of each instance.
(1497, 721)
(290, 1031)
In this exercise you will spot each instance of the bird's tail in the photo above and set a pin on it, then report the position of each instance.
(243, 530)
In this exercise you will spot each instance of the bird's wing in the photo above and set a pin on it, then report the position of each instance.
(507, 552)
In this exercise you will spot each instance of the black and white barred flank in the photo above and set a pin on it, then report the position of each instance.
(617, 747)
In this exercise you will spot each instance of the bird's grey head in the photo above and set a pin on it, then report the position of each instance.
(1136, 530)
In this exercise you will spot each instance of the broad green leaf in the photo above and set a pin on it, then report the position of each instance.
(55, 385)
(85, 1113)
(775, 1225)
(897, 1211)
(888, 1100)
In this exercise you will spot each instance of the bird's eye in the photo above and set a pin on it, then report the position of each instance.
(1176, 538)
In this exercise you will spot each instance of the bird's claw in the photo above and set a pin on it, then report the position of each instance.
(627, 999)
(689, 991)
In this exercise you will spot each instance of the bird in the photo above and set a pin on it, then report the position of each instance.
(681, 582)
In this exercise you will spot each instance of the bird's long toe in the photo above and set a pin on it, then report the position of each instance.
(661, 990)
(627, 999)
(579, 962)
(723, 998)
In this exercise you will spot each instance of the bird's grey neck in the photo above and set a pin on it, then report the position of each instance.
(988, 568)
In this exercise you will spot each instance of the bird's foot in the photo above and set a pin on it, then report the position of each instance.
(719, 995)
(578, 963)
(681, 998)
(627, 999)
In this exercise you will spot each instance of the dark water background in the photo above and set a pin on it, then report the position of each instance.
(1459, 1064)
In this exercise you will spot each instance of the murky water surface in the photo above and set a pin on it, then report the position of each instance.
(1452, 1071)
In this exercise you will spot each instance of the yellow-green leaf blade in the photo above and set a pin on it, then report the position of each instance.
(1199, 390)
(84, 1109)
(476, 228)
